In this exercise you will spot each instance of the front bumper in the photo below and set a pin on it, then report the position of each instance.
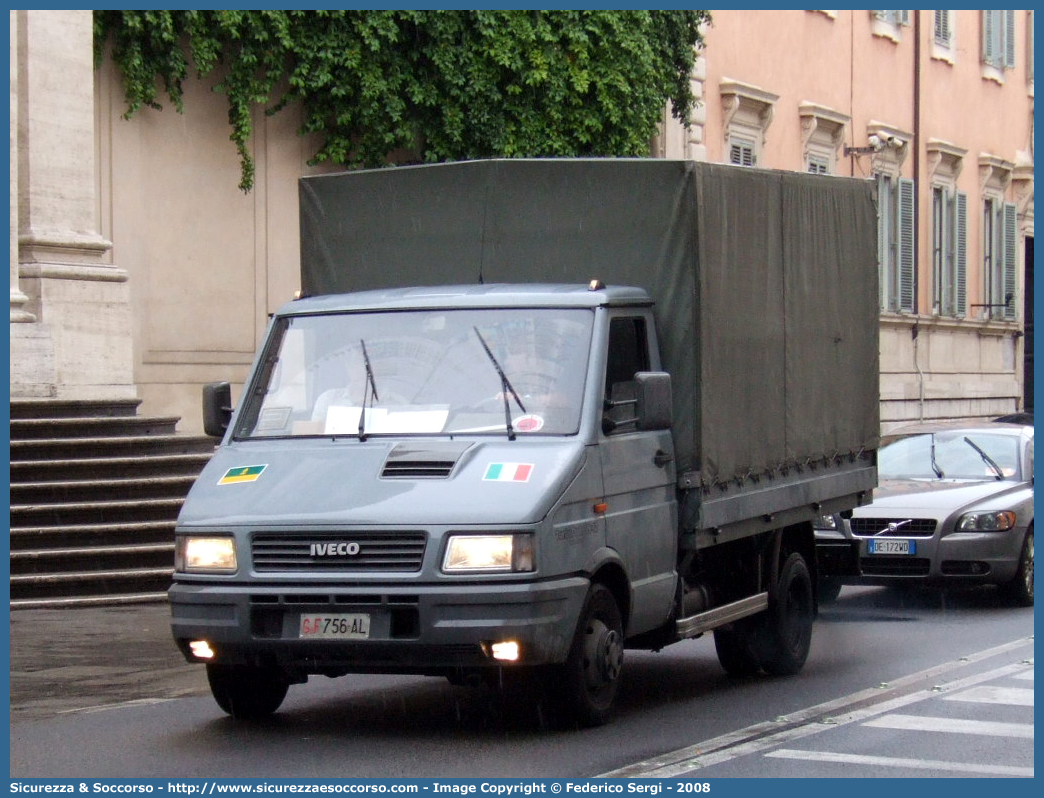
(420, 629)
(971, 558)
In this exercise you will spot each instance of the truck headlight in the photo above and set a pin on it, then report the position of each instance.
(986, 522)
(485, 553)
(204, 554)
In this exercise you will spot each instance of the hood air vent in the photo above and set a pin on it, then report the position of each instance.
(422, 461)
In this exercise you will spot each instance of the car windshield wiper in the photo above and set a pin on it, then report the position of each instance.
(986, 458)
(506, 388)
(371, 387)
(935, 465)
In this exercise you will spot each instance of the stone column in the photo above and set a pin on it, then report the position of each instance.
(72, 335)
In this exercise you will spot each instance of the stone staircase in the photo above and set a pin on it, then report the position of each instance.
(95, 491)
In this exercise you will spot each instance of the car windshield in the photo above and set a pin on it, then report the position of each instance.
(468, 371)
(959, 454)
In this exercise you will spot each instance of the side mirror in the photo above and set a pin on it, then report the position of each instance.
(217, 408)
(655, 410)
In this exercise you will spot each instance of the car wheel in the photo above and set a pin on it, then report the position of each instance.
(786, 632)
(590, 676)
(829, 588)
(1020, 589)
(247, 692)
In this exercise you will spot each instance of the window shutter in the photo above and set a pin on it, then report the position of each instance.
(1009, 39)
(988, 25)
(902, 17)
(942, 27)
(883, 244)
(1009, 257)
(961, 254)
(906, 244)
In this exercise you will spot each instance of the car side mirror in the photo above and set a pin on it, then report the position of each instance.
(654, 406)
(217, 408)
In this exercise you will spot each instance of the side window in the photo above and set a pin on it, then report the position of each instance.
(628, 354)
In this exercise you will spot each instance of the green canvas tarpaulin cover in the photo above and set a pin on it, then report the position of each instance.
(765, 282)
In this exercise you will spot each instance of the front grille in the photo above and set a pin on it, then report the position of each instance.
(905, 527)
(894, 566)
(332, 552)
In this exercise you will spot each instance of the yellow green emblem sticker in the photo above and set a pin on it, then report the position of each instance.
(242, 474)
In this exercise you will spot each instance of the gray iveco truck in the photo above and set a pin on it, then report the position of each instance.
(533, 413)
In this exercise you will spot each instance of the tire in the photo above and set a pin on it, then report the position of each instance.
(736, 649)
(829, 588)
(1020, 589)
(786, 631)
(247, 692)
(590, 678)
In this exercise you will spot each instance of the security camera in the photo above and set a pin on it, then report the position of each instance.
(875, 142)
(892, 141)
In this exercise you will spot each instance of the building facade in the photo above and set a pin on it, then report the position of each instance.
(138, 268)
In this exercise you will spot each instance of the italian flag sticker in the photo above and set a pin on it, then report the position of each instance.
(508, 472)
(242, 474)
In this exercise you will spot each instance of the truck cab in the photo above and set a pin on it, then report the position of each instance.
(446, 481)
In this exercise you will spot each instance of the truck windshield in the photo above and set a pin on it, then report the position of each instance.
(421, 373)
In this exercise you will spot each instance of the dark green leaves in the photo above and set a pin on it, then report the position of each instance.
(395, 86)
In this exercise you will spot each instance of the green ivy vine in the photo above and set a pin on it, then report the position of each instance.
(420, 85)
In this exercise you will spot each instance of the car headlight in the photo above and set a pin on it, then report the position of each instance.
(205, 554)
(825, 522)
(485, 553)
(986, 522)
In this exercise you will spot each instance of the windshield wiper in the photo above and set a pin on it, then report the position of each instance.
(505, 387)
(986, 458)
(371, 387)
(935, 466)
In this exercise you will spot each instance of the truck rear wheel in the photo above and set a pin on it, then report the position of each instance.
(736, 649)
(591, 674)
(786, 634)
(247, 692)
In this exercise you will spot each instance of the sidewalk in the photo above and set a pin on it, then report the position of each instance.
(78, 658)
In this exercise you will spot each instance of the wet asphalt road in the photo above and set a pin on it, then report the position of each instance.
(63, 660)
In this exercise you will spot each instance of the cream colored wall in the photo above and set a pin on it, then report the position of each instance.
(207, 262)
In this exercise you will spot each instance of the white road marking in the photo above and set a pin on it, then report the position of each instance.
(952, 726)
(889, 762)
(135, 702)
(815, 719)
(986, 694)
(1028, 676)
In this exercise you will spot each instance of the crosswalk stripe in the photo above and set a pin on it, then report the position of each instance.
(951, 725)
(986, 694)
(891, 762)
(1026, 675)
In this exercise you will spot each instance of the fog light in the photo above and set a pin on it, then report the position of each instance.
(507, 651)
(201, 649)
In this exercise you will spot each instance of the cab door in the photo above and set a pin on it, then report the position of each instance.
(638, 473)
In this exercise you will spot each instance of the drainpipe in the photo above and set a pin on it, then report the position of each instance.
(917, 205)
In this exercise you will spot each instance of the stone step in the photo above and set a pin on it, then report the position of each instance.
(106, 427)
(96, 558)
(90, 584)
(85, 535)
(127, 446)
(92, 490)
(88, 601)
(73, 408)
(108, 468)
(68, 513)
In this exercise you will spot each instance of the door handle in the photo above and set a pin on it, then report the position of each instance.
(661, 458)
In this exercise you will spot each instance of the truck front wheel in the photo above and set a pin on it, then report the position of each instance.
(591, 674)
(786, 634)
(247, 692)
